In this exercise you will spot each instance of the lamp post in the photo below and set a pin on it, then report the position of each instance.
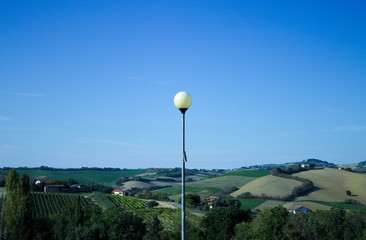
(183, 101)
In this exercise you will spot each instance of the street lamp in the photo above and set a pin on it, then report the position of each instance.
(183, 101)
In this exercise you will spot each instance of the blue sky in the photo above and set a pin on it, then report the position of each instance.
(91, 83)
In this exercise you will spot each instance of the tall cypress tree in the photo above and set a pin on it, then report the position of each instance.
(18, 209)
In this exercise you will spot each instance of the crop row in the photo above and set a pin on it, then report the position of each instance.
(127, 202)
(46, 204)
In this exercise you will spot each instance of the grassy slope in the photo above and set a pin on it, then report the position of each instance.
(333, 184)
(249, 173)
(251, 203)
(217, 184)
(82, 176)
(269, 185)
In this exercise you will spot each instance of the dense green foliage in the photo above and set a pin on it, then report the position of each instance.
(18, 210)
(91, 223)
(277, 223)
(2, 216)
(219, 223)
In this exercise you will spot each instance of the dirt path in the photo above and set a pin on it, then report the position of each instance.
(165, 205)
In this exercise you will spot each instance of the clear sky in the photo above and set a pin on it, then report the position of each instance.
(91, 83)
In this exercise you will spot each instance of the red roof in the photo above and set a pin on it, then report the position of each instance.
(117, 190)
(47, 181)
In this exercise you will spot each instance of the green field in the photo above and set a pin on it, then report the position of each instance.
(164, 174)
(82, 176)
(189, 189)
(140, 208)
(251, 203)
(213, 185)
(346, 206)
(249, 173)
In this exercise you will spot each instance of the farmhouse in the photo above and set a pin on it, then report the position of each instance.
(298, 209)
(45, 181)
(211, 200)
(123, 192)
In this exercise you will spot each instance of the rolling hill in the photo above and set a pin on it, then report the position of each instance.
(332, 185)
(269, 185)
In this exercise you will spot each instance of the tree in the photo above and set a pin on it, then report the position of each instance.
(152, 204)
(349, 193)
(154, 229)
(220, 222)
(193, 200)
(79, 222)
(324, 225)
(18, 208)
(243, 231)
(269, 225)
(227, 202)
(121, 224)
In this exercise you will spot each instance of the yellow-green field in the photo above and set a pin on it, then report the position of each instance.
(333, 184)
(269, 185)
(208, 186)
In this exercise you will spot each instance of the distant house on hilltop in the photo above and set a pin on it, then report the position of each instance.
(305, 165)
(123, 192)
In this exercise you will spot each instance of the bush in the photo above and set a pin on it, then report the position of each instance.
(220, 222)
(152, 204)
(244, 195)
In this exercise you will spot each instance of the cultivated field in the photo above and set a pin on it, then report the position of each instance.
(139, 184)
(268, 185)
(309, 205)
(333, 184)
(82, 176)
(222, 182)
(216, 184)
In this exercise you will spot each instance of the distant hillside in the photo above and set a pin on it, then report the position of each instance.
(313, 161)
(106, 177)
(332, 185)
(318, 163)
(271, 186)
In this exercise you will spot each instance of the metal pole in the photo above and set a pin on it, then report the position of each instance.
(183, 182)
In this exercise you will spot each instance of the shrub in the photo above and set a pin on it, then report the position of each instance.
(152, 204)
(244, 195)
